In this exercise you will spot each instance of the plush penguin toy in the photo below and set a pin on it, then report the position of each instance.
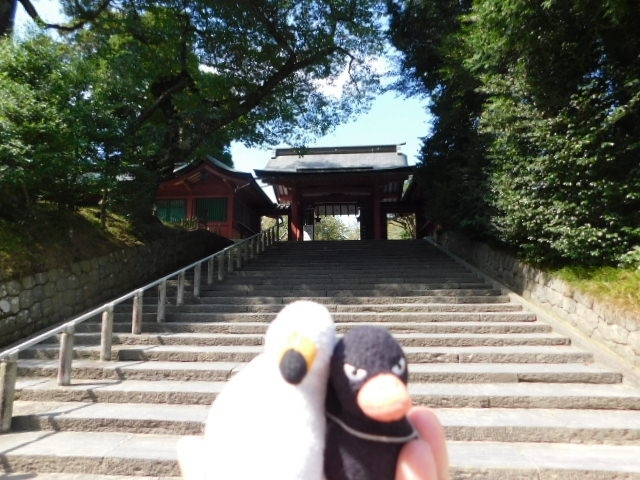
(367, 403)
(269, 420)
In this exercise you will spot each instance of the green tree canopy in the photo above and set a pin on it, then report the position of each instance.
(562, 113)
(335, 228)
(44, 145)
(536, 138)
(170, 80)
(452, 156)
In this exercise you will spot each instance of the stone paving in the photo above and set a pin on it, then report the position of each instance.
(518, 399)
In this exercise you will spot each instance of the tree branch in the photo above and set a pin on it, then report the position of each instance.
(179, 83)
(86, 16)
(253, 99)
(272, 29)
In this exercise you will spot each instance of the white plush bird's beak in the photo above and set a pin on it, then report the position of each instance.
(297, 358)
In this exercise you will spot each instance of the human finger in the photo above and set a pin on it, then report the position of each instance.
(429, 428)
(416, 462)
(427, 457)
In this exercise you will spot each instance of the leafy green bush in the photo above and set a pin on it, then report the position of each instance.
(631, 259)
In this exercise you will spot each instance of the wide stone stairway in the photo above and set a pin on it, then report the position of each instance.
(518, 399)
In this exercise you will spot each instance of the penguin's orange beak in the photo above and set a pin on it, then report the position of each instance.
(384, 398)
(297, 358)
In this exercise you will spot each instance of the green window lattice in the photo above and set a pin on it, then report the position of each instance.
(211, 209)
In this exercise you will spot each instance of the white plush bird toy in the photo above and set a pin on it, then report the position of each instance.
(268, 422)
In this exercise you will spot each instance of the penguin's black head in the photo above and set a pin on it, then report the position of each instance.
(368, 375)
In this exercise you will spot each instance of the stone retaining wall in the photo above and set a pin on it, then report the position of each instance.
(38, 301)
(617, 330)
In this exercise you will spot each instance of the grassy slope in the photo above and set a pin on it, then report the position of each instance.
(51, 239)
(616, 286)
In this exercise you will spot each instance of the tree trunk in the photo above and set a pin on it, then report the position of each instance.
(7, 16)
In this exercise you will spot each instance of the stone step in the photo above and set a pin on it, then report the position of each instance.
(524, 394)
(245, 353)
(355, 273)
(461, 424)
(376, 260)
(223, 370)
(329, 290)
(251, 273)
(260, 327)
(358, 281)
(350, 317)
(152, 307)
(422, 373)
(342, 283)
(533, 461)
(613, 427)
(78, 476)
(150, 418)
(121, 390)
(151, 298)
(117, 453)
(506, 388)
(372, 260)
(90, 453)
(367, 256)
(405, 339)
(322, 263)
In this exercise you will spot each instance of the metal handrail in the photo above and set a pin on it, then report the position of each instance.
(243, 250)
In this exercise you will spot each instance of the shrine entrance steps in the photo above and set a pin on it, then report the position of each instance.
(518, 399)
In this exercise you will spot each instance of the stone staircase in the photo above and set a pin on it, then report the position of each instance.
(518, 400)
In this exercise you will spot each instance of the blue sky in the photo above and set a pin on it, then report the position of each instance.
(392, 119)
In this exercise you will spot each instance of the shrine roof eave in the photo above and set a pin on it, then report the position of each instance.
(240, 179)
(327, 172)
(214, 164)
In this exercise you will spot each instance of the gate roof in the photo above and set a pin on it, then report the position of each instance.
(337, 173)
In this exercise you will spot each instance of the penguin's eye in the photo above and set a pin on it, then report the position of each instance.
(400, 367)
(354, 374)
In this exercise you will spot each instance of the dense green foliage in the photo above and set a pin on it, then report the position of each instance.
(42, 145)
(537, 142)
(129, 89)
(451, 176)
(335, 228)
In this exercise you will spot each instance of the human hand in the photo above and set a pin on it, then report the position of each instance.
(422, 459)
(425, 458)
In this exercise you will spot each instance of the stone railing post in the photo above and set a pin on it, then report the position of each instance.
(8, 374)
(229, 261)
(162, 301)
(136, 314)
(197, 274)
(210, 268)
(106, 335)
(66, 357)
(238, 252)
(253, 248)
(221, 266)
(180, 294)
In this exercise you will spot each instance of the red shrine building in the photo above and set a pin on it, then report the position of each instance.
(216, 197)
(366, 181)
